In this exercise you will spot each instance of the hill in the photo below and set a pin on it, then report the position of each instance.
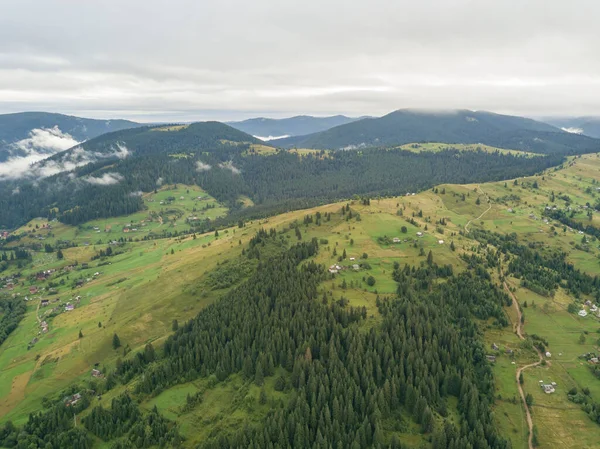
(459, 126)
(47, 133)
(266, 128)
(589, 126)
(244, 338)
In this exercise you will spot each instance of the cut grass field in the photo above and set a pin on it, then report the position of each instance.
(139, 292)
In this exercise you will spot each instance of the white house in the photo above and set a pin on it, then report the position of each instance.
(441, 242)
(396, 240)
(548, 354)
(419, 234)
(582, 313)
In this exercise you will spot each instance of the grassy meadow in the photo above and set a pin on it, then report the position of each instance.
(138, 292)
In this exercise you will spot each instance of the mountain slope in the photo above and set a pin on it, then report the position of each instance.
(589, 126)
(460, 126)
(293, 126)
(46, 133)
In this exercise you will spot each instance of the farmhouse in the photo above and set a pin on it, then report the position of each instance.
(491, 358)
(495, 346)
(33, 289)
(548, 388)
(396, 240)
(69, 307)
(44, 302)
(441, 242)
(72, 400)
(582, 313)
(97, 374)
(419, 234)
(355, 267)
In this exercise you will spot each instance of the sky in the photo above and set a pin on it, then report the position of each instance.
(227, 60)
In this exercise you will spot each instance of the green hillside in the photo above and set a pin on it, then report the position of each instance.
(265, 333)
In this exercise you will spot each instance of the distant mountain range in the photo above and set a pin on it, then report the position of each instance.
(35, 134)
(457, 126)
(268, 128)
(589, 126)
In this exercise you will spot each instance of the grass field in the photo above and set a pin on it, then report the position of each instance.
(148, 284)
(437, 147)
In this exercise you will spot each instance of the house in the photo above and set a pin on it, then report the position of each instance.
(582, 313)
(97, 374)
(588, 303)
(33, 289)
(69, 307)
(44, 326)
(495, 346)
(44, 302)
(594, 308)
(352, 258)
(548, 354)
(593, 360)
(333, 269)
(72, 400)
(548, 388)
(355, 267)
(396, 240)
(441, 242)
(491, 358)
(509, 351)
(510, 210)
(419, 234)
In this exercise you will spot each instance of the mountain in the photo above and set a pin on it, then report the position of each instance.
(266, 128)
(36, 135)
(457, 126)
(588, 126)
(105, 176)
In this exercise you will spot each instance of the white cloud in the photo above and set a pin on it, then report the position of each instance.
(229, 166)
(159, 182)
(266, 139)
(138, 193)
(36, 165)
(51, 140)
(16, 191)
(106, 179)
(201, 166)
(573, 130)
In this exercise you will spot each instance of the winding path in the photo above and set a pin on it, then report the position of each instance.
(483, 213)
(519, 332)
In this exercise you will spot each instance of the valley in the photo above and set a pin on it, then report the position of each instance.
(148, 283)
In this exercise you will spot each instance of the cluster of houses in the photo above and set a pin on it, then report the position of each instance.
(593, 308)
(3, 235)
(495, 347)
(44, 326)
(548, 388)
(72, 400)
(335, 268)
(590, 357)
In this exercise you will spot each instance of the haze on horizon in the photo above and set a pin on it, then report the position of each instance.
(184, 60)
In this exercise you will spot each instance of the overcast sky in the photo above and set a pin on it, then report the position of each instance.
(156, 60)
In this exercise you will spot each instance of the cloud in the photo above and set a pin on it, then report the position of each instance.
(159, 182)
(138, 193)
(229, 166)
(107, 179)
(35, 164)
(266, 139)
(573, 130)
(50, 140)
(382, 58)
(201, 166)
(16, 191)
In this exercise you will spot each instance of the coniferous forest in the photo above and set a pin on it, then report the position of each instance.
(347, 385)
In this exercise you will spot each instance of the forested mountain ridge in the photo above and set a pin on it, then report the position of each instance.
(292, 126)
(18, 127)
(460, 126)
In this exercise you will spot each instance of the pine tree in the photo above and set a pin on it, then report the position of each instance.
(116, 342)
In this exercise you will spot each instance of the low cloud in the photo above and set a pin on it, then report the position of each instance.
(16, 191)
(229, 166)
(159, 182)
(107, 179)
(573, 130)
(35, 163)
(50, 140)
(266, 139)
(138, 193)
(201, 166)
